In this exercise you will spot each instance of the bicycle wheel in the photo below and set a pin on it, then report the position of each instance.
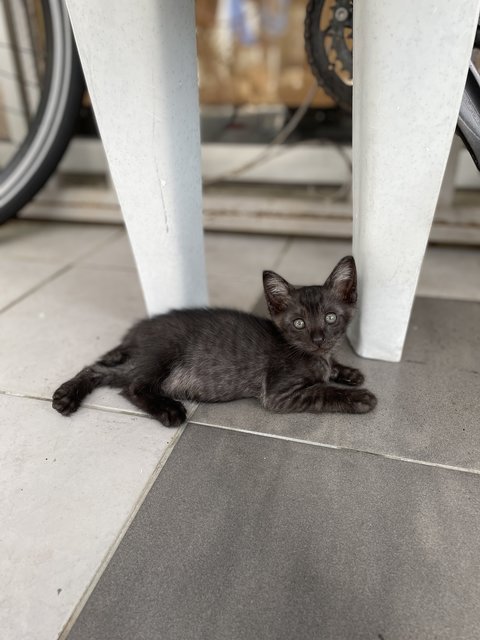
(328, 44)
(41, 87)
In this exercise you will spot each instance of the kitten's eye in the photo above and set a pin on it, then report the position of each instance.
(299, 323)
(331, 318)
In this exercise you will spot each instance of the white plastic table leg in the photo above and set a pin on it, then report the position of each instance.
(139, 60)
(410, 66)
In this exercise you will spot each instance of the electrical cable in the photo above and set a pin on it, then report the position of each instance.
(279, 139)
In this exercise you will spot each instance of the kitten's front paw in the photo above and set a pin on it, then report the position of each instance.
(350, 376)
(65, 400)
(361, 400)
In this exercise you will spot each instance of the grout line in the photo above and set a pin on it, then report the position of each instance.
(97, 407)
(107, 267)
(283, 252)
(86, 405)
(191, 418)
(15, 394)
(36, 287)
(59, 272)
(324, 445)
(103, 243)
(116, 543)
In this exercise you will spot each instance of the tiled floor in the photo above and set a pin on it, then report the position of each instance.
(259, 525)
(264, 538)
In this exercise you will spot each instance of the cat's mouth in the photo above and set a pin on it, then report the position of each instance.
(319, 348)
(322, 348)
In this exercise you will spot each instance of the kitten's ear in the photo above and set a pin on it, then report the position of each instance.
(277, 291)
(343, 280)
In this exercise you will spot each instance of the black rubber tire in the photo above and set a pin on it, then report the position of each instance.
(317, 58)
(52, 127)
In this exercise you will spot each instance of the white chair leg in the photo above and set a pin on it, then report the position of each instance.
(139, 60)
(410, 66)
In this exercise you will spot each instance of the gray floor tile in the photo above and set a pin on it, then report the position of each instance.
(276, 540)
(428, 405)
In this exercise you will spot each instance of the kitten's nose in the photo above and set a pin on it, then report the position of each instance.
(318, 337)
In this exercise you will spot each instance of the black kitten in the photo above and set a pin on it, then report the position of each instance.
(216, 355)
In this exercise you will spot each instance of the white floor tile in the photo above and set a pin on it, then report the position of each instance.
(309, 260)
(235, 264)
(57, 242)
(451, 273)
(67, 488)
(65, 325)
(18, 277)
(446, 272)
(115, 253)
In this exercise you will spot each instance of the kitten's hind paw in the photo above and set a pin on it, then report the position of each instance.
(171, 413)
(65, 399)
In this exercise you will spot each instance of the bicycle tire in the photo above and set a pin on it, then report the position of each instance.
(52, 127)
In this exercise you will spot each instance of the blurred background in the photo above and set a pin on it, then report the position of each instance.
(275, 81)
